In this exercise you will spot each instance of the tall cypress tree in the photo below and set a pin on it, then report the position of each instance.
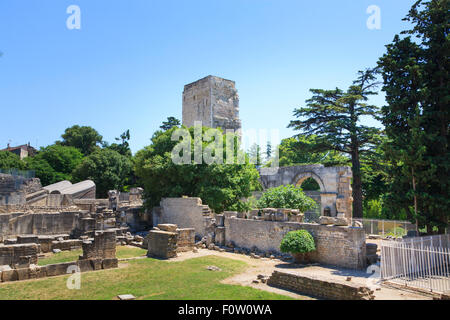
(416, 82)
(334, 117)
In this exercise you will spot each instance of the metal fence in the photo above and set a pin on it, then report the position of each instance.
(417, 263)
(385, 228)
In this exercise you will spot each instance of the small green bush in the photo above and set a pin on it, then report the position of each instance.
(300, 241)
(289, 197)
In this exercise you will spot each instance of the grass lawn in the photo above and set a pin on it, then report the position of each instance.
(122, 252)
(146, 279)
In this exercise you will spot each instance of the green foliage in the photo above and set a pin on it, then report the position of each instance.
(300, 150)
(107, 168)
(334, 118)
(221, 186)
(85, 139)
(170, 123)
(299, 241)
(310, 185)
(416, 82)
(254, 154)
(54, 163)
(289, 197)
(9, 160)
(268, 150)
(123, 147)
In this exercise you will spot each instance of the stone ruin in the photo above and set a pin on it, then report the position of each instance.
(36, 220)
(259, 232)
(166, 240)
(334, 182)
(19, 261)
(27, 208)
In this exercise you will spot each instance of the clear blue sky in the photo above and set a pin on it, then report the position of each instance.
(126, 67)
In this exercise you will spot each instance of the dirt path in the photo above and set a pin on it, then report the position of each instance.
(265, 266)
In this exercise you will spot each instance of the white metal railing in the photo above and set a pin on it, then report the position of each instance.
(396, 228)
(417, 263)
(437, 241)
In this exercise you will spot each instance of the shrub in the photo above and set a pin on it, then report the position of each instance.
(300, 241)
(289, 197)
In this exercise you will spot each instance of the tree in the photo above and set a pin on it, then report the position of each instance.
(334, 117)
(107, 168)
(170, 123)
(85, 139)
(289, 197)
(54, 163)
(221, 186)
(300, 150)
(9, 160)
(416, 82)
(254, 154)
(124, 147)
(268, 150)
(44, 171)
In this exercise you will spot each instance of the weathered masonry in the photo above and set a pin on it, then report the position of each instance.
(213, 101)
(335, 185)
(337, 244)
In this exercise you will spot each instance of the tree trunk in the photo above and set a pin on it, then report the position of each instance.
(357, 184)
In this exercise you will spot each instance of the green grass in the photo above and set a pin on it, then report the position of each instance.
(122, 252)
(146, 279)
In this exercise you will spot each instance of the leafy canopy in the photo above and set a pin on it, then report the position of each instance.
(85, 139)
(289, 197)
(221, 186)
(107, 168)
(9, 160)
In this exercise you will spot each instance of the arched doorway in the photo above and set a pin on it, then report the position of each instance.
(312, 189)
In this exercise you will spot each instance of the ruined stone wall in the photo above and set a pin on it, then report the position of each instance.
(184, 212)
(14, 189)
(12, 224)
(338, 246)
(19, 254)
(322, 288)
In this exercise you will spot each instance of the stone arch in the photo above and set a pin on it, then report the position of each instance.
(301, 177)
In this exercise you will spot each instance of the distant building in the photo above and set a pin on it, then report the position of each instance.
(22, 151)
(213, 101)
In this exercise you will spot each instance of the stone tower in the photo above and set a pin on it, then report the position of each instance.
(213, 101)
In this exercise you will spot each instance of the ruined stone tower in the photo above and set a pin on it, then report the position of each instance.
(213, 101)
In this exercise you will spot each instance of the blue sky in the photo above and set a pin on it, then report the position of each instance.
(127, 65)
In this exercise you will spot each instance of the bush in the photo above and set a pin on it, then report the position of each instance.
(299, 241)
(289, 197)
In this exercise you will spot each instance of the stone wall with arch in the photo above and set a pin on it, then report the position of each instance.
(334, 182)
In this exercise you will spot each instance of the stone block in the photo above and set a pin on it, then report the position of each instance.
(162, 244)
(85, 265)
(168, 227)
(96, 264)
(110, 263)
(9, 275)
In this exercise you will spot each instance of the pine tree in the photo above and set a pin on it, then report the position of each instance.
(416, 82)
(333, 116)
